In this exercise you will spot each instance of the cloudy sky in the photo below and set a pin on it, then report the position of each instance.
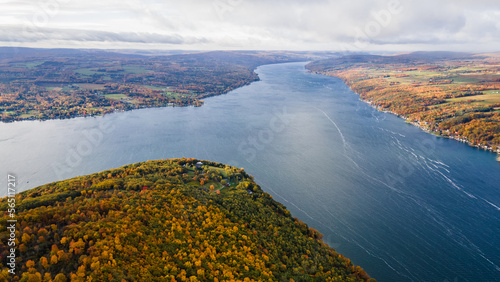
(363, 25)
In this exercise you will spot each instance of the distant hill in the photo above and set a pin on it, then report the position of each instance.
(166, 220)
(420, 57)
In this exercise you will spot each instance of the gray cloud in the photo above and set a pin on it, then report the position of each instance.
(259, 24)
(34, 34)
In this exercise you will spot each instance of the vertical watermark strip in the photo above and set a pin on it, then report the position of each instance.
(11, 222)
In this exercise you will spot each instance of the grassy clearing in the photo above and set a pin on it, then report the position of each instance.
(68, 88)
(116, 96)
(491, 92)
(157, 87)
(54, 88)
(172, 94)
(29, 65)
(135, 69)
(91, 86)
(488, 98)
(126, 69)
(225, 190)
(467, 69)
(221, 170)
(86, 71)
(464, 79)
(28, 115)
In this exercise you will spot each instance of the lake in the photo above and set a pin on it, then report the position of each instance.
(403, 204)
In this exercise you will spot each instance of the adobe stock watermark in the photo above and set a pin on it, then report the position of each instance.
(257, 142)
(45, 11)
(222, 7)
(11, 223)
(380, 19)
(91, 139)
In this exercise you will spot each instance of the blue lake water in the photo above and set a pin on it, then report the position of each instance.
(403, 204)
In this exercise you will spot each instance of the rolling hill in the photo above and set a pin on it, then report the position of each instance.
(165, 220)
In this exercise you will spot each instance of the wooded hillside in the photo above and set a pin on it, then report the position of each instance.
(166, 220)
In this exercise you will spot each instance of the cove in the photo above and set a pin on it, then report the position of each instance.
(403, 204)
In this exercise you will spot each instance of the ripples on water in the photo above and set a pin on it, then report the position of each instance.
(403, 204)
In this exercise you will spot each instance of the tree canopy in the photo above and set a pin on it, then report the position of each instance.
(165, 220)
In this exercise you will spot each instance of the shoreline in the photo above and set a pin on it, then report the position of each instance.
(421, 125)
(200, 103)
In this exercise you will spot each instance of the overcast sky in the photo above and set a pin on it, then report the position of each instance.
(363, 25)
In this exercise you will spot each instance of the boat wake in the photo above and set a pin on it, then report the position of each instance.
(418, 162)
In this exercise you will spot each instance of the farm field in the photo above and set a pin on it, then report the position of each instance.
(65, 84)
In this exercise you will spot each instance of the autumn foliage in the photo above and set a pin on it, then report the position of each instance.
(57, 84)
(452, 94)
(106, 227)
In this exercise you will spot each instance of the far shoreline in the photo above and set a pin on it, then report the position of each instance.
(458, 138)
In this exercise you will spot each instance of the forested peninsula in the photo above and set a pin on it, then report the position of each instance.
(455, 95)
(164, 220)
